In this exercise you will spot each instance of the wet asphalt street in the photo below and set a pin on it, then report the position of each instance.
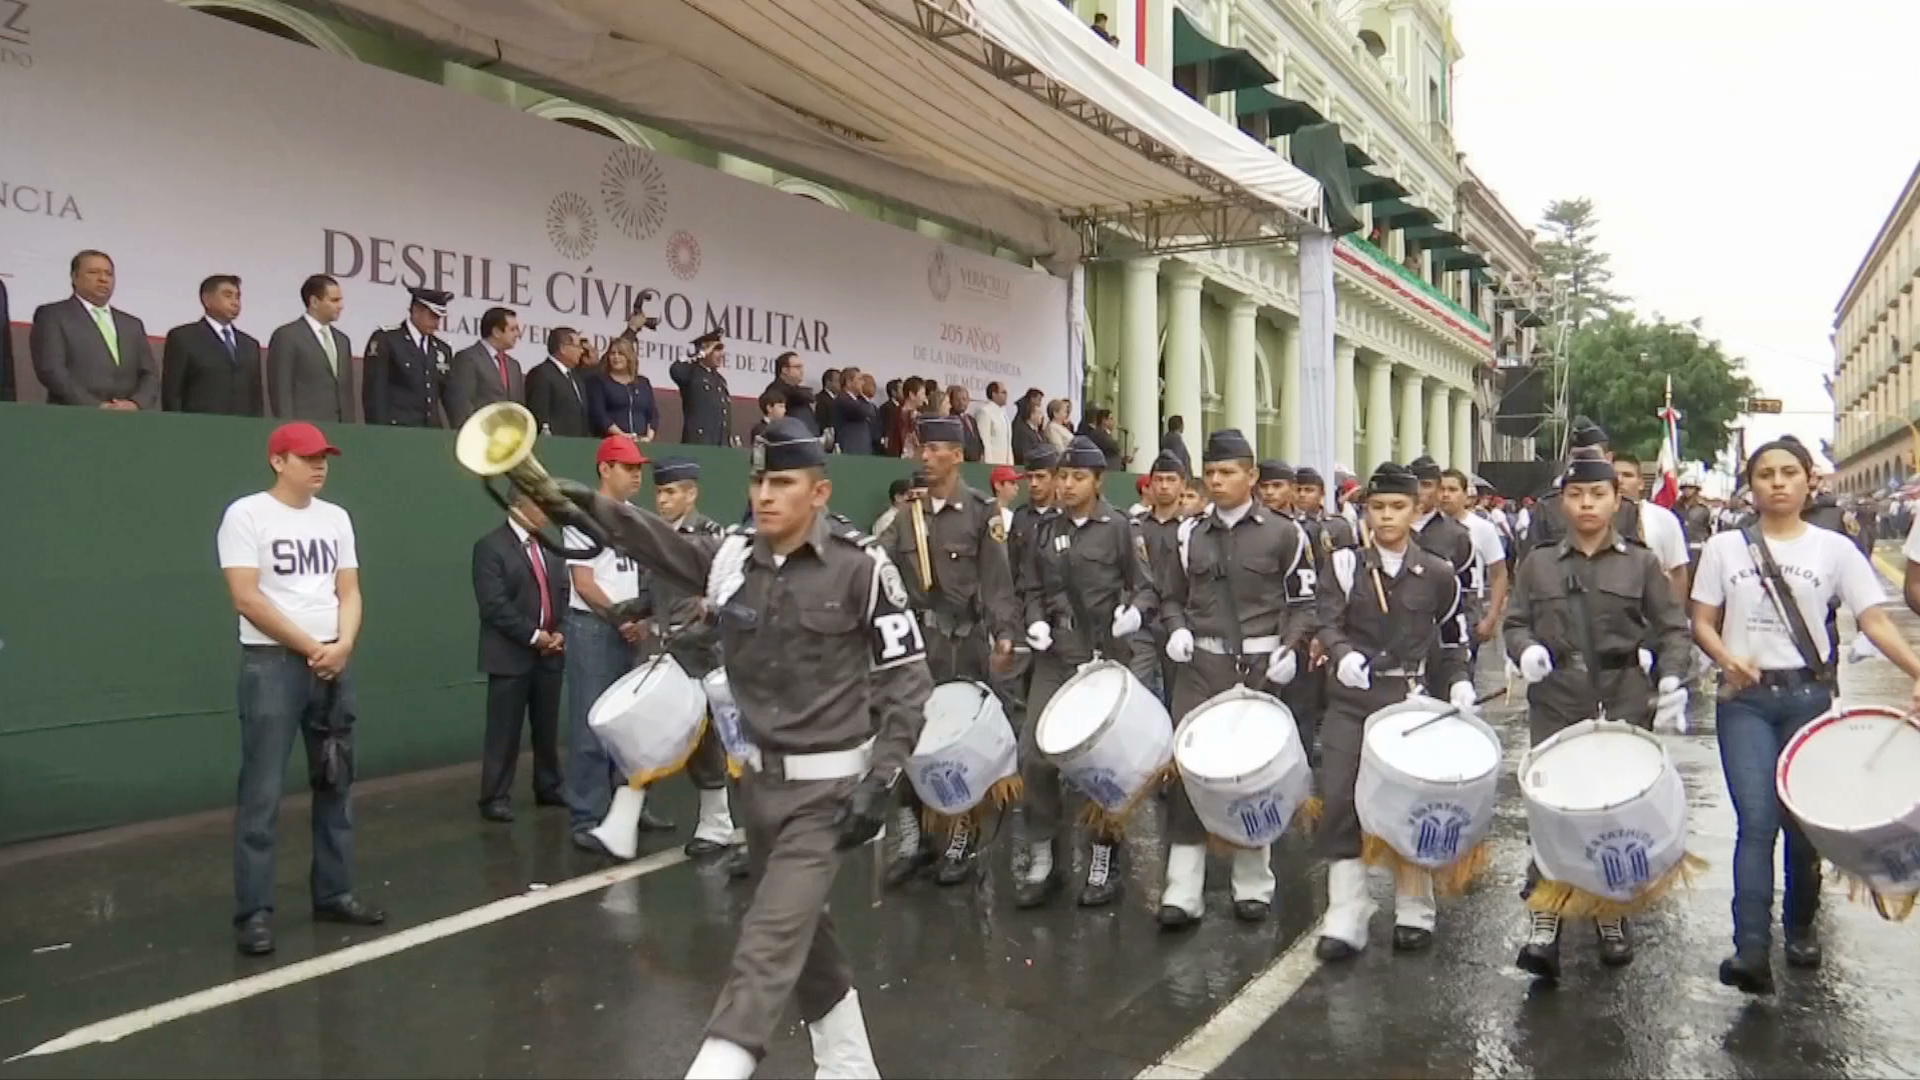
(617, 980)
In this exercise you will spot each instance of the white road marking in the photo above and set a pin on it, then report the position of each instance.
(179, 1008)
(1226, 1031)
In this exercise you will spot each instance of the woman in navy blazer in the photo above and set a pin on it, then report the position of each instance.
(619, 398)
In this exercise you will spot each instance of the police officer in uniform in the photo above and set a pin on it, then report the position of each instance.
(706, 406)
(406, 364)
(1086, 588)
(968, 614)
(1696, 517)
(1237, 600)
(1381, 611)
(827, 664)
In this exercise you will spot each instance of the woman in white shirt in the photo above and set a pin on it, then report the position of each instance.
(1770, 690)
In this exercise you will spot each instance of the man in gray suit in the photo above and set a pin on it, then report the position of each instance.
(486, 372)
(309, 363)
(87, 352)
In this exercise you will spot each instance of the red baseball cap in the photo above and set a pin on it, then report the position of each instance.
(1140, 485)
(1003, 474)
(300, 439)
(621, 449)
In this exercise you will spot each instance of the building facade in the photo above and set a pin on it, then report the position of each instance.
(1518, 326)
(1876, 399)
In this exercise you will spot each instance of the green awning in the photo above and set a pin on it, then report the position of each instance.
(1357, 158)
(1479, 276)
(1284, 114)
(1423, 237)
(1396, 214)
(1226, 68)
(1372, 187)
(1461, 259)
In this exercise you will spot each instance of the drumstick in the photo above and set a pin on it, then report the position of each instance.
(1905, 722)
(1452, 710)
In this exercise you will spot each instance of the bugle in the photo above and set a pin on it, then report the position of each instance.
(498, 441)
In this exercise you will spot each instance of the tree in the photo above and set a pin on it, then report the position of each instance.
(1571, 253)
(1617, 376)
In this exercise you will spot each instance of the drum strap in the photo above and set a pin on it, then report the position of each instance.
(1777, 589)
(1223, 551)
(1583, 629)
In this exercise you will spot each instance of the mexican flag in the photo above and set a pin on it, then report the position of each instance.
(1668, 490)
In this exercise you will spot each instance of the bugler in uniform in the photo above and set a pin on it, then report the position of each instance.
(406, 364)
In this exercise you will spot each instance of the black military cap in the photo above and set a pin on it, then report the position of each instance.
(1308, 476)
(786, 444)
(672, 470)
(711, 337)
(1587, 433)
(942, 429)
(434, 300)
(1168, 463)
(1272, 471)
(1082, 454)
(1042, 457)
(1586, 466)
(1424, 468)
(1227, 444)
(1391, 478)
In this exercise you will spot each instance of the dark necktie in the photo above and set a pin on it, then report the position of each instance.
(540, 577)
(506, 384)
(226, 338)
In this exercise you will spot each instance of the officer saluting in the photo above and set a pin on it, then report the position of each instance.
(1086, 587)
(706, 406)
(827, 664)
(406, 366)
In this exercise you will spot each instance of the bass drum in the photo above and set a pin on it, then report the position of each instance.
(1107, 734)
(1848, 778)
(1245, 773)
(649, 720)
(1426, 786)
(966, 748)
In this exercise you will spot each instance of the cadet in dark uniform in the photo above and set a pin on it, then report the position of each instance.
(1086, 588)
(1696, 518)
(1581, 610)
(1160, 526)
(706, 406)
(1237, 599)
(1548, 523)
(968, 613)
(1377, 653)
(1276, 486)
(1306, 695)
(1024, 523)
(1440, 534)
(406, 366)
(1329, 532)
(828, 666)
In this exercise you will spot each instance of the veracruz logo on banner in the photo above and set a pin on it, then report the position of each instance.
(280, 161)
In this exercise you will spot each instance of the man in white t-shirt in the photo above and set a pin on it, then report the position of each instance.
(294, 576)
(1489, 582)
(1659, 529)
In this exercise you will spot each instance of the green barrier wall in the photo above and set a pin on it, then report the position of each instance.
(117, 643)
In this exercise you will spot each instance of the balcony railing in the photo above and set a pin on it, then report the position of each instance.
(1416, 281)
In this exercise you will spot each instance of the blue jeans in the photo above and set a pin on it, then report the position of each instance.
(596, 657)
(281, 698)
(1754, 725)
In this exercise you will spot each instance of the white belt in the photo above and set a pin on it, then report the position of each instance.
(830, 765)
(1248, 647)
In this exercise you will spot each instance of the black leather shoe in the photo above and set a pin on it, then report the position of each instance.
(652, 822)
(254, 936)
(1251, 910)
(1751, 974)
(738, 864)
(903, 868)
(1411, 939)
(1803, 947)
(349, 910)
(1106, 869)
(1173, 918)
(549, 800)
(955, 864)
(589, 843)
(700, 847)
(1616, 945)
(1332, 950)
(496, 811)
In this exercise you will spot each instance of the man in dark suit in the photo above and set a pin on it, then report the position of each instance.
(404, 372)
(486, 372)
(87, 352)
(209, 365)
(7, 391)
(309, 362)
(1174, 441)
(554, 394)
(856, 424)
(522, 590)
(706, 405)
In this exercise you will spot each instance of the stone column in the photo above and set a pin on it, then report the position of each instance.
(1464, 436)
(1243, 389)
(1411, 402)
(1140, 358)
(1181, 395)
(1290, 415)
(1379, 417)
(1344, 407)
(1439, 425)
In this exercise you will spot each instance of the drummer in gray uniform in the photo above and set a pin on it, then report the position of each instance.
(1306, 695)
(1086, 588)
(1160, 525)
(1580, 612)
(1012, 685)
(1439, 533)
(967, 609)
(1236, 597)
(827, 664)
(1381, 610)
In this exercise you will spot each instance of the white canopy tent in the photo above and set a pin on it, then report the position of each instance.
(1005, 116)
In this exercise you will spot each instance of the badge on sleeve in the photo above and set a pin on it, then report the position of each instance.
(1140, 548)
(892, 585)
(997, 529)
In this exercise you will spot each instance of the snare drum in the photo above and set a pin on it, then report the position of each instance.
(1848, 778)
(966, 749)
(1245, 773)
(1607, 814)
(1428, 794)
(650, 719)
(1107, 734)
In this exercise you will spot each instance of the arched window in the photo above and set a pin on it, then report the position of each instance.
(807, 189)
(592, 121)
(277, 19)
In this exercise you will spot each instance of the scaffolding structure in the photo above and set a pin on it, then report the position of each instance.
(1544, 304)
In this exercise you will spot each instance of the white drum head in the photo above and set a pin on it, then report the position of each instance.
(1826, 779)
(1446, 751)
(631, 691)
(1233, 738)
(950, 712)
(1594, 770)
(1079, 709)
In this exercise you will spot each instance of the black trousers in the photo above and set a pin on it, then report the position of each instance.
(532, 698)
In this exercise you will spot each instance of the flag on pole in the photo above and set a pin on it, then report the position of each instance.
(1669, 490)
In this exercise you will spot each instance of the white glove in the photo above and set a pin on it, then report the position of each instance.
(1353, 673)
(1180, 645)
(1463, 697)
(1282, 666)
(728, 571)
(1646, 660)
(1535, 664)
(1670, 707)
(1126, 620)
(1040, 637)
(1862, 648)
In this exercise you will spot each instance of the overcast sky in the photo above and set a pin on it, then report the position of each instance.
(1741, 156)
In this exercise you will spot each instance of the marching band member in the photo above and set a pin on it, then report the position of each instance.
(1487, 581)
(1581, 609)
(1276, 486)
(1160, 526)
(1442, 535)
(1382, 610)
(1012, 685)
(966, 604)
(828, 669)
(1086, 588)
(1306, 695)
(1327, 531)
(1236, 599)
